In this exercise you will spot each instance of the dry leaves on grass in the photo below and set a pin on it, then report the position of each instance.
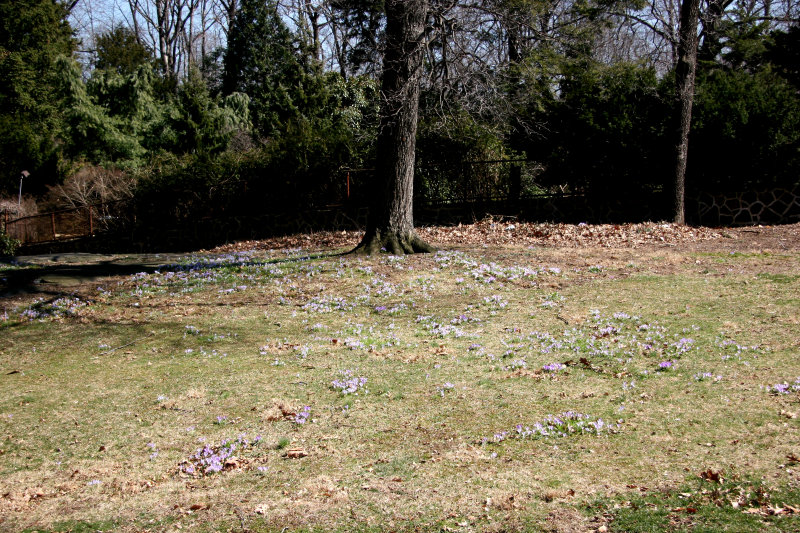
(494, 232)
(567, 235)
(773, 510)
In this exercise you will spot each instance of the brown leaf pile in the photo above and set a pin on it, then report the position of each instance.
(493, 232)
(567, 235)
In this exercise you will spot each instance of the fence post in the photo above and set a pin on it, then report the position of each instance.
(53, 224)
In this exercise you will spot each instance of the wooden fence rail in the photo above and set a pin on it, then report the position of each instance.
(62, 225)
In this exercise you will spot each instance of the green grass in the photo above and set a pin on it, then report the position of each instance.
(104, 405)
(740, 506)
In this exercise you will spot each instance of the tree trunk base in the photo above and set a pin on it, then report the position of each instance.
(394, 243)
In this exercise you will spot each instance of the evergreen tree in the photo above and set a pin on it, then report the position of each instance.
(120, 50)
(124, 120)
(261, 62)
(33, 33)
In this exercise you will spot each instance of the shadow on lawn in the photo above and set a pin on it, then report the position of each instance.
(61, 274)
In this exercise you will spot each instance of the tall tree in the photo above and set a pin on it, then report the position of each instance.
(33, 34)
(684, 90)
(391, 216)
(356, 30)
(180, 32)
(260, 61)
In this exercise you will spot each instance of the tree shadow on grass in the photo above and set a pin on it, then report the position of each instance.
(60, 275)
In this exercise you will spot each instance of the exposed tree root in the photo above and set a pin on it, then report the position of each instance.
(394, 243)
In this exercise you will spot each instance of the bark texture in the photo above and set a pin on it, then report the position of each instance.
(684, 86)
(391, 216)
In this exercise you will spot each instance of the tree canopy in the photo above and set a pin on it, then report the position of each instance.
(33, 35)
(274, 99)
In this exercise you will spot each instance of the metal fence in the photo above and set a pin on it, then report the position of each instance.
(63, 225)
(436, 186)
(464, 182)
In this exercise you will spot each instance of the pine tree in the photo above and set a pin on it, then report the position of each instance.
(33, 34)
(261, 62)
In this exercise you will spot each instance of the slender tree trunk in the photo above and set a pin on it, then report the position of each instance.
(684, 84)
(391, 216)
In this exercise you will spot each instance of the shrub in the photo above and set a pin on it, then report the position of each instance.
(745, 132)
(451, 156)
(608, 132)
(8, 244)
(93, 184)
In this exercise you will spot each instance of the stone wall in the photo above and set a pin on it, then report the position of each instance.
(747, 208)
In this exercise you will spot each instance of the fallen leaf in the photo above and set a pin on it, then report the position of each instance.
(296, 453)
(712, 476)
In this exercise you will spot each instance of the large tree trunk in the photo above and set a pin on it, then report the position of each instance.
(684, 85)
(391, 217)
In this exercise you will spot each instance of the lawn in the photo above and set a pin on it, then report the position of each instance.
(505, 387)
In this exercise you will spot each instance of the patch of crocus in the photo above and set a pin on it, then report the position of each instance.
(349, 384)
(517, 364)
(445, 387)
(684, 345)
(665, 365)
(211, 459)
(60, 308)
(778, 388)
(554, 367)
(784, 388)
(557, 426)
(302, 416)
(707, 376)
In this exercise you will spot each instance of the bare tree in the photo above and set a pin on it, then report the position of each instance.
(226, 12)
(684, 88)
(180, 31)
